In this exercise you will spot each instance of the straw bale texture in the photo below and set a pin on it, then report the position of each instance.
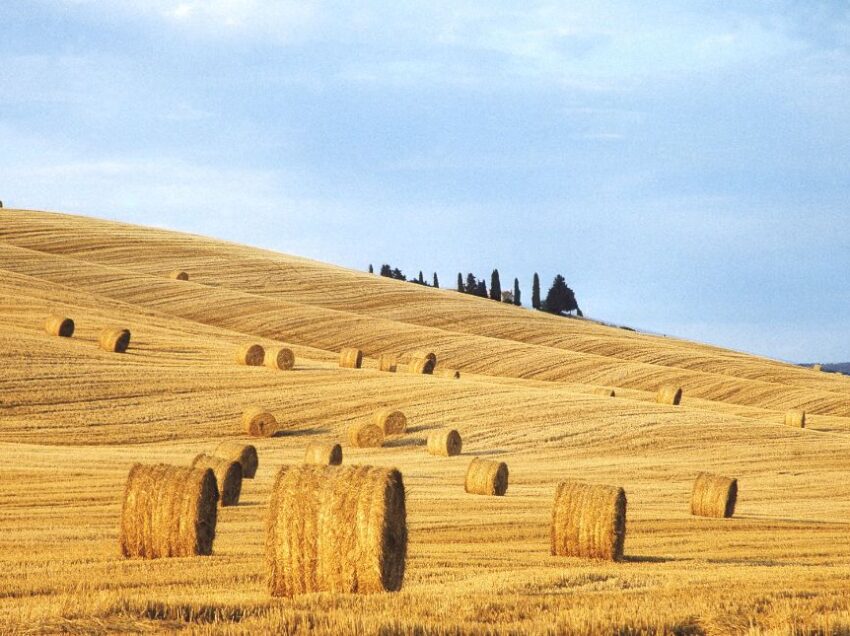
(485, 477)
(228, 477)
(252, 355)
(714, 496)
(351, 358)
(796, 419)
(391, 422)
(422, 362)
(114, 340)
(669, 394)
(446, 443)
(258, 422)
(59, 326)
(365, 435)
(280, 358)
(588, 521)
(387, 362)
(323, 454)
(245, 454)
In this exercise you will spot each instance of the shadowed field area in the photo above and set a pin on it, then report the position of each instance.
(74, 418)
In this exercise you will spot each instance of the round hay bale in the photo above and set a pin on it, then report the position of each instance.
(669, 394)
(485, 477)
(179, 275)
(114, 340)
(588, 521)
(454, 374)
(228, 477)
(387, 362)
(446, 443)
(817, 367)
(365, 435)
(168, 511)
(422, 362)
(280, 358)
(351, 358)
(714, 496)
(251, 355)
(391, 422)
(340, 529)
(604, 391)
(323, 454)
(796, 419)
(245, 454)
(258, 422)
(59, 326)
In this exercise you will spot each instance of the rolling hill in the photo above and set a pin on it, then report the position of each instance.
(73, 419)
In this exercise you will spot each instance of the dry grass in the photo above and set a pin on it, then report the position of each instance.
(168, 511)
(228, 476)
(485, 477)
(714, 496)
(447, 443)
(245, 454)
(114, 340)
(336, 529)
(476, 564)
(588, 521)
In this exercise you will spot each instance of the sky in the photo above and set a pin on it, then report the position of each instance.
(685, 165)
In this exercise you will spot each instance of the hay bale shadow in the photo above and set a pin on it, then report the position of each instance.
(402, 442)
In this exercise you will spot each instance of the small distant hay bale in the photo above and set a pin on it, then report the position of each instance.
(245, 454)
(588, 521)
(114, 340)
(817, 367)
(387, 362)
(454, 374)
(59, 326)
(252, 355)
(179, 275)
(168, 511)
(391, 422)
(796, 419)
(669, 394)
(323, 454)
(365, 435)
(714, 496)
(604, 391)
(280, 358)
(258, 422)
(340, 529)
(446, 443)
(422, 362)
(485, 477)
(228, 476)
(351, 358)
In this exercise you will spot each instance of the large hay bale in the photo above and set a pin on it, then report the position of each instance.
(669, 394)
(365, 435)
(485, 477)
(446, 443)
(387, 362)
(280, 358)
(258, 422)
(796, 419)
(179, 275)
(714, 496)
(588, 521)
(604, 391)
(251, 355)
(422, 362)
(228, 476)
(114, 340)
(351, 358)
(168, 511)
(59, 326)
(323, 454)
(391, 422)
(245, 454)
(340, 529)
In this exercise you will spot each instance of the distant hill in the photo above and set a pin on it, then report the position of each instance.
(833, 367)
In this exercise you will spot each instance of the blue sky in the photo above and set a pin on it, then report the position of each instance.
(685, 165)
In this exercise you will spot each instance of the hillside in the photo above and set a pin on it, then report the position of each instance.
(74, 419)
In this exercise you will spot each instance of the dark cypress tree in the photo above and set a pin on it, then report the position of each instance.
(371, 269)
(471, 285)
(386, 270)
(436, 281)
(460, 283)
(495, 286)
(397, 274)
(560, 298)
(535, 292)
(517, 300)
(421, 278)
(482, 289)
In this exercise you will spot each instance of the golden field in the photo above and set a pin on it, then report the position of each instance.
(74, 418)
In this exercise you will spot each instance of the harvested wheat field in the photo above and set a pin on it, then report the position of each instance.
(75, 419)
